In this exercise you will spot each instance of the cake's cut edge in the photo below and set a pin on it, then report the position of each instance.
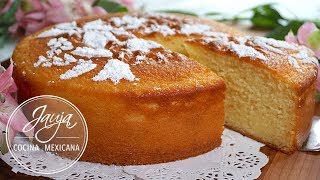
(292, 119)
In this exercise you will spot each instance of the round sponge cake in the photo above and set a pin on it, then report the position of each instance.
(143, 103)
(156, 88)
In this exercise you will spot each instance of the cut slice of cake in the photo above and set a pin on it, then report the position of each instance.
(270, 83)
(270, 86)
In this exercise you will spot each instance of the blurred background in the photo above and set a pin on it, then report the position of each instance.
(275, 19)
(301, 8)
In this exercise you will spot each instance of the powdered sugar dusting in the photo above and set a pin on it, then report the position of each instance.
(94, 39)
(293, 62)
(97, 34)
(115, 70)
(118, 37)
(81, 68)
(224, 43)
(59, 61)
(141, 58)
(128, 22)
(121, 55)
(246, 51)
(110, 36)
(142, 45)
(44, 61)
(56, 45)
(163, 29)
(306, 56)
(91, 52)
(161, 57)
(69, 58)
(194, 28)
(241, 40)
(63, 28)
(276, 43)
(220, 41)
(265, 45)
(97, 25)
(260, 48)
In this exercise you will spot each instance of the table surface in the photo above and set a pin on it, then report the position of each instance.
(297, 166)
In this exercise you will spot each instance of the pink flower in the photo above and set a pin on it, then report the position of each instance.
(6, 6)
(305, 31)
(7, 105)
(128, 3)
(308, 35)
(45, 13)
(42, 14)
(291, 38)
(7, 84)
(85, 8)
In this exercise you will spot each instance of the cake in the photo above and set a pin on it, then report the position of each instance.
(156, 88)
(143, 104)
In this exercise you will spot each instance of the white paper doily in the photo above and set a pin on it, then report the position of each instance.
(237, 158)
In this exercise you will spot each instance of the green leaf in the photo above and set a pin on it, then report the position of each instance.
(3, 39)
(281, 31)
(26, 6)
(266, 16)
(6, 20)
(2, 4)
(4, 36)
(314, 40)
(3, 146)
(317, 22)
(8, 17)
(263, 22)
(179, 12)
(110, 6)
(212, 14)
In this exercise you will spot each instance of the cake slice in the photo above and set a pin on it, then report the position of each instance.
(270, 86)
(270, 83)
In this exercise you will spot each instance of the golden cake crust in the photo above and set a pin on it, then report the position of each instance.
(174, 111)
(277, 64)
(151, 76)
